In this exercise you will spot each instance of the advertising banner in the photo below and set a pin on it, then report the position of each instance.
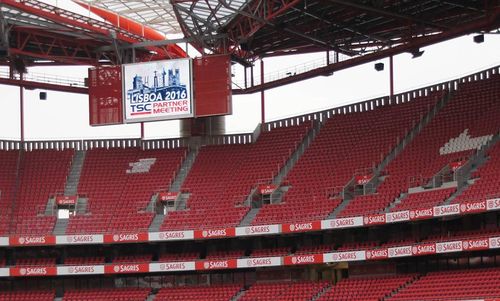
(172, 266)
(81, 270)
(32, 240)
(79, 239)
(339, 223)
(259, 262)
(159, 90)
(171, 235)
(64, 200)
(167, 196)
(257, 230)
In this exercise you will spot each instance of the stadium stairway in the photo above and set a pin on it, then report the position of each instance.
(70, 189)
(465, 172)
(394, 152)
(175, 186)
(74, 173)
(285, 169)
(61, 226)
(322, 292)
(299, 151)
(414, 132)
(461, 179)
(238, 295)
(186, 166)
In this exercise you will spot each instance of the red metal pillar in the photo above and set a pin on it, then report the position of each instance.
(391, 79)
(262, 96)
(21, 107)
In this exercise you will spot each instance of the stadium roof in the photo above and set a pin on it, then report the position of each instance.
(157, 14)
(357, 31)
(259, 28)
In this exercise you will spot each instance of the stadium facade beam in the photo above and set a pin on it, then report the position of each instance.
(30, 85)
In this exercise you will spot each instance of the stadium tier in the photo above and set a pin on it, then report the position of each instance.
(391, 198)
(414, 154)
(119, 184)
(284, 291)
(345, 144)
(132, 294)
(41, 174)
(453, 285)
(470, 284)
(486, 180)
(361, 289)
(335, 184)
(84, 260)
(209, 293)
(466, 114)
(8, 173)
(223, 177)
(27, 296)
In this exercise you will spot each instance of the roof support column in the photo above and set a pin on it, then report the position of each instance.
(391, 79)
(262, 95)
(21, 108)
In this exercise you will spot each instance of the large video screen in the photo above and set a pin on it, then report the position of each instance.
(158, 90)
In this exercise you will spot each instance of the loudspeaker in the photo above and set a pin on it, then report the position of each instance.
(245, 46)
(4, 52)
(479, 38)
(43, 95)
(379, 66)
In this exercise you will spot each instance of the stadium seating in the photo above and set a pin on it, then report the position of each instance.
(42, 173)
(8, 161)
(208, 293)
(26, 262)
(453, 285)
(271, 252)
(318, 249)
(223, 176)
(133, 259)
(132, 294)
(364, 289)
(27, 296)
(225, 254)
(117, 198)
(425, 199)
(284, 291)
(471, 108)
(487, 180)
(83, 260)
(461, 235)
(345, 145)
(119, 183)
(357, 245)
(184, 256)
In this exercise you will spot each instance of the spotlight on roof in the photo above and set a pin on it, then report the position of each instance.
(416, 53)
(479, 38)
(379, 66)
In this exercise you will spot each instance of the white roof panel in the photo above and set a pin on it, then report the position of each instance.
(157, 14)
